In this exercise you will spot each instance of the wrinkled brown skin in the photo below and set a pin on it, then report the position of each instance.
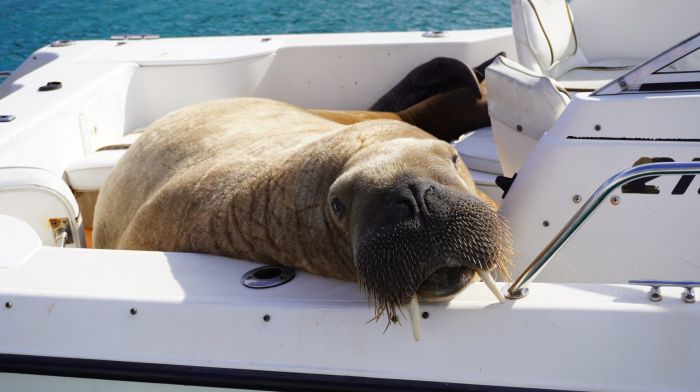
(251, 178)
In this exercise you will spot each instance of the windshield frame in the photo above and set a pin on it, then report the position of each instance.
(646, 77)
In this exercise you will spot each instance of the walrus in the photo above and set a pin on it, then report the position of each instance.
(378, 202)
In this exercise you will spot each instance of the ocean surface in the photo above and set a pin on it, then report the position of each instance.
(26, 25)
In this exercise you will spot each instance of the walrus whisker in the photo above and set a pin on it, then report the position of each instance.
(488, 279)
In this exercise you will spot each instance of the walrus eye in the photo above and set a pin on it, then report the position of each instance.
(337, 206)
(455, 158)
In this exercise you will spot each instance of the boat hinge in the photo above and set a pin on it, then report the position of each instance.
(62, 233)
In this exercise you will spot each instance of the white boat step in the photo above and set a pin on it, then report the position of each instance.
(478, 151)
(89, 172)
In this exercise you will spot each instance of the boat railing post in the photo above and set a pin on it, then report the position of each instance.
(519, 288)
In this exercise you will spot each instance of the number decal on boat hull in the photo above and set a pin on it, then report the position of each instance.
(641, 186)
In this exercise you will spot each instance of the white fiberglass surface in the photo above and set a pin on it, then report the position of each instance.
(18, 241)
(192, 310)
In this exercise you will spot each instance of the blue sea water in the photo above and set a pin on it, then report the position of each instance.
(26, 25)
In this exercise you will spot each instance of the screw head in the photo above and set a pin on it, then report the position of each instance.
(577, 198)
(597, 127)
(266, 318)
(8, 304)
(545, 223)
(615, 200)
(519, 128)
(133, 311)
(688, 295)
(425, 315)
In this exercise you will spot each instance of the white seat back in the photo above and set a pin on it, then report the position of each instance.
(545, 37)
(522, 106)
(42, 200)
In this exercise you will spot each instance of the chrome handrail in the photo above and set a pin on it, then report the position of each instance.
(519, 287)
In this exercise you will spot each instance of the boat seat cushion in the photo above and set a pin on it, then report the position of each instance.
(523, 106)
(547, 43)
(478, 151)
(522, 99)
(595, 75)
(90, 172)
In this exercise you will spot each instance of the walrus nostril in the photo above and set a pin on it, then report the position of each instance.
(409, 200)
(403, 204)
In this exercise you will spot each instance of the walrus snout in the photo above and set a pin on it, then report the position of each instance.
(407, 201)
(429, 239)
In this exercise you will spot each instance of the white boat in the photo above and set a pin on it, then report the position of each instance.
(603, 213)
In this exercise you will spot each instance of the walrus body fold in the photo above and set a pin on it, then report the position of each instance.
(267, 181)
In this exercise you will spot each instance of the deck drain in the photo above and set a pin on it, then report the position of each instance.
(267, 276)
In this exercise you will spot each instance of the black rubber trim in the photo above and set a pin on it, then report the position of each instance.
(671, 86)
(220, 377)
(635, 139)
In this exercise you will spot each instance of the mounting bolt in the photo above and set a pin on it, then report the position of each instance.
(597, 127)
(655, 294)
(8, 304)
(266, 318)
(615, 200)
(688, 295)
(577, 198)
(425, 315)
(133, 311)
(545, 223)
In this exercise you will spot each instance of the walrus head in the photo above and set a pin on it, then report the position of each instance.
(416, 222)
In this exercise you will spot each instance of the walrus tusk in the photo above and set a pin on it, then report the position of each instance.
(488, 279)
(414, 314)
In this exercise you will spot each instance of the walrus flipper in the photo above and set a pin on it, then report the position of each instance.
(438, 75)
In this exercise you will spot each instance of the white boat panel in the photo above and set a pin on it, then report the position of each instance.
(17, 240)
(620, 242)
(178, 52)
(192, 310)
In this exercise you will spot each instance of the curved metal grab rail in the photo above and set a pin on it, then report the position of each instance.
(519, 287)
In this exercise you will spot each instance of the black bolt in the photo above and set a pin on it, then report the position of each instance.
(133, 311)
(8, 304)
(597, 127)
(545, 223)
(426, 315)
(519, 128)
(266, 318)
